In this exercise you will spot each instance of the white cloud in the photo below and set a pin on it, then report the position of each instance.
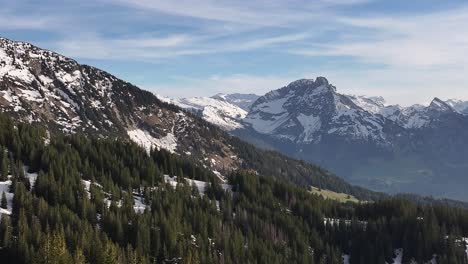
(438, 39)
(12, 22)
(257, 12)
(155, 42)
(150, 48)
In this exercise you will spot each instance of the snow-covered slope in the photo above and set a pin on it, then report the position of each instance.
(216, 111)
(458, 105)
(243, 101)
(370, 104)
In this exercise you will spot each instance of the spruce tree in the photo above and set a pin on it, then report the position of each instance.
(4, 202)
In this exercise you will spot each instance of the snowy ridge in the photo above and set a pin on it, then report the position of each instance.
(244, 101)
(215, 111)
(43, 83)
(458, 105)
(370, 104)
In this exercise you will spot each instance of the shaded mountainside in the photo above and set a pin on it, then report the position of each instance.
(42, 87)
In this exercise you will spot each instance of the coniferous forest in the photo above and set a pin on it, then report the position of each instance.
(83, 208)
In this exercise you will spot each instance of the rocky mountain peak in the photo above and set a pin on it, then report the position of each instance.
(321, 80)
(307, 111)
(440, 106)
(311, 85)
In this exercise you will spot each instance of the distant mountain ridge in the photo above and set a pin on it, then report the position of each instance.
(385, 147)
(243, 101)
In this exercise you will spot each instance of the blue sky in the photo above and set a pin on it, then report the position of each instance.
(406, 51)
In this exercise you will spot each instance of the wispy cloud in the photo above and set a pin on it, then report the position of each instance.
(157, 48)
(13, 22)
(235, 83)
(256, 12)
(438, 39)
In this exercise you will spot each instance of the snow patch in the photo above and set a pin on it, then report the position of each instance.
(200, 185)
(5, 188)
(311, 124)
(144, 139)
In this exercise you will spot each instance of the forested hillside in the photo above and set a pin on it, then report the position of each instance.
(76, 199)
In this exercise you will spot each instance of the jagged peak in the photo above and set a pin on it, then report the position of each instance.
(319, 81)
(440, 105)
(301, 82)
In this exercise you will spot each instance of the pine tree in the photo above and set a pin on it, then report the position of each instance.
(3, 166)
(3, 202)
(53, 250)
(78, 257)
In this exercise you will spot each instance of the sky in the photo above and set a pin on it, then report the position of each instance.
(406, 51)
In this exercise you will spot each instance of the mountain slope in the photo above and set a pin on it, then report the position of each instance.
(45, 88)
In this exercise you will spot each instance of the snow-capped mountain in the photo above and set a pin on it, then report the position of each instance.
(40, 86)
(306, 111)
(243, 101)
(216, 111)
(420, 148)
(416, 116)
(386, 147)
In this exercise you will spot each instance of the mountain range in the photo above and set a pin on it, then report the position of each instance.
(41, 87)
(390, 148)
(387, 148)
